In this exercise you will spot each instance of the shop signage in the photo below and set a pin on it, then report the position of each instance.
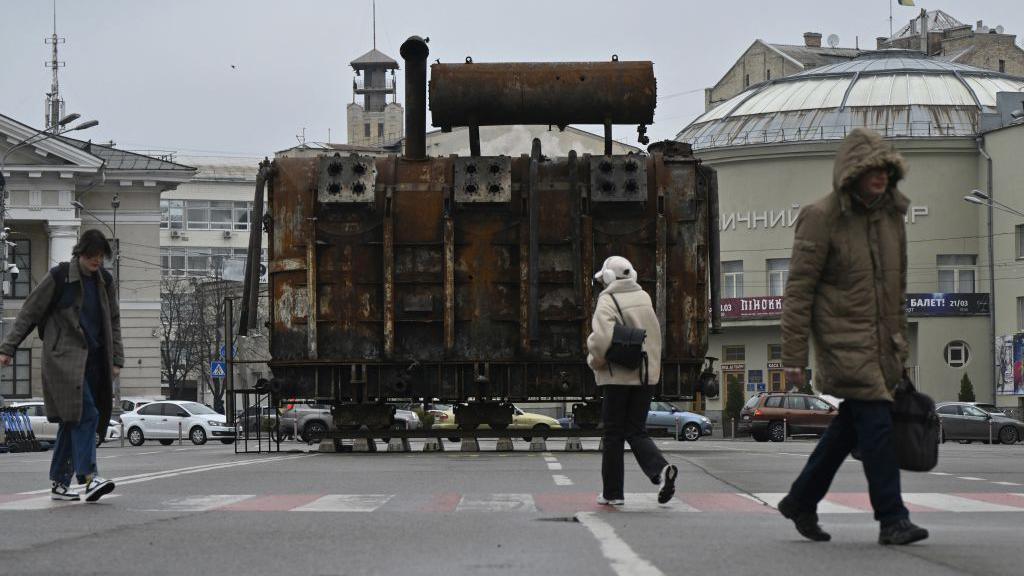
(948, 304)
(786, 217)
(751, 308)
(733, 367)
(775, 365)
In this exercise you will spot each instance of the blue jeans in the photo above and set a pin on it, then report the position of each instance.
(867, 426)
(75, 450)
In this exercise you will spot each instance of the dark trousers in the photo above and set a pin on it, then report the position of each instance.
(866, 426)
(624, 414)
(75, 449)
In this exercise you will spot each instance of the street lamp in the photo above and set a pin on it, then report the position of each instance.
(57, 128)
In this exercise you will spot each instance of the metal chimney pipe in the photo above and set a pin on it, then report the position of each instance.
(414, 51)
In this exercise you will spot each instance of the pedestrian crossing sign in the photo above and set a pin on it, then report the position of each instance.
(217, 369)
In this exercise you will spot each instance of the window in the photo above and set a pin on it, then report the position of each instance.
(775, 352)
(366, 130)
(1002, 66)
(1020, 241)
(973, 411)
(380, 129)
(746, 80)
(732, 279)
(773, 402)
(956, 272)
(778, 274)
(957, 354)
(817, 404)
(151, 409)
(172, 214)
(1020, 314)
(243, 215)
(21, 256)
(769, 75)
(751, 402)
(197, 261)
(733, 354)
(17, 378)
(796, 403)
(950, 410)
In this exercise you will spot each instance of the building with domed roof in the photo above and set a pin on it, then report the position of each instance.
(773, 146)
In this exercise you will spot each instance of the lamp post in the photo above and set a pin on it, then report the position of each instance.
(979, 198)
(38, 136)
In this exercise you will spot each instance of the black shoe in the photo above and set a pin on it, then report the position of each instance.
(668, 483)
(901, 533)
(806, 522)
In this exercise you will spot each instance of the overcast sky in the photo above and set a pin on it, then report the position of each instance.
(159, 75)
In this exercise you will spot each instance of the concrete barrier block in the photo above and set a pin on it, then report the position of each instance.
(433, 445)
(538, 445)
(505, 445)
(573, 445)
(328, 446)
(364, 445)
(600, 445)
(470, 445)
(399, 445)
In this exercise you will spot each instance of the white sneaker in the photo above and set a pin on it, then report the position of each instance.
(613, 502)
(668, 483)
(97, 488)
(61, 492)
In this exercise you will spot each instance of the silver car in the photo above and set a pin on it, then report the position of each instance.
(314, 421)
(966, 422)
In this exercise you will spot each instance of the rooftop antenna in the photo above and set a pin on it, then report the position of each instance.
(833, 40)
(54, 104)
(301, 137)
(374, 24)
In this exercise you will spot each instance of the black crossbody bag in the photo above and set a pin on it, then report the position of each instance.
(627, 347)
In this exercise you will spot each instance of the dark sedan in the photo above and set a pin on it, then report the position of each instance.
(966, 422)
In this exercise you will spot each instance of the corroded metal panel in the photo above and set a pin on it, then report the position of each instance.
(618, 179)
(483, 179)
(347, 179)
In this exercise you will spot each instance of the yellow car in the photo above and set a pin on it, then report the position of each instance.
(536, 423)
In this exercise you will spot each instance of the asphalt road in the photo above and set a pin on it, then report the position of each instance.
(207, 510)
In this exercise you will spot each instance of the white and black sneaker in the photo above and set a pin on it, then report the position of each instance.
(668, 483)
(61, 492)
(609, 502)
(97, 487)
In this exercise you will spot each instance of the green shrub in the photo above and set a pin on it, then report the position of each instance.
(966, 389)
(733, 404)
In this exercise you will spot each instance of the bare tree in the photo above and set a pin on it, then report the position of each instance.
(180, 329)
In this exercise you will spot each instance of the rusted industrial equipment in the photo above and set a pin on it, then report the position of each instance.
(469, 279)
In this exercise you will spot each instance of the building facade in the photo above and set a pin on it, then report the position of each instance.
(774, 146)
(120, 192)
(375, 121)
(942, 36)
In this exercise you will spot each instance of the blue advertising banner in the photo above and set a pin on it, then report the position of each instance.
(948, 304)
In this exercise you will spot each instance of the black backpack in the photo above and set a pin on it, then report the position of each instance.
(627, 347)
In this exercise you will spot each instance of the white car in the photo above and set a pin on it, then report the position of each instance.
(163, 420)
(46, 430)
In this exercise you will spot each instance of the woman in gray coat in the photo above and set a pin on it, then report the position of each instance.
(627, 393)
(75, 305)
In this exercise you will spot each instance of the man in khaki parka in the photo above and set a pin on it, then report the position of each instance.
(846, 290)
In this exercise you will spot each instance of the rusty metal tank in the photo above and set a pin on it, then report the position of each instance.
(404, 277)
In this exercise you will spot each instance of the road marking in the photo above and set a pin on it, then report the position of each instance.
(824, 507)
(561, 480)
(145, 453)
(1007, 483)
(648, 502)
(201, 503)
(623, 560)
(554, 466)
(181, 449)
(346, 503)
(497, 503)
(968, 478)
(950, 503)
(125, 480)
(45, 503)
(940, 473)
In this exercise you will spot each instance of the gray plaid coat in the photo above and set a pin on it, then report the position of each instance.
(65, 350)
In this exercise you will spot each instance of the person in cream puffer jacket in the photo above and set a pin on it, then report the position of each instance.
(626, 398)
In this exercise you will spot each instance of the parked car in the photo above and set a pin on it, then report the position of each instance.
(966, 422)
(254, 419)
(990, 408)
(162, 421)
(664, 416)
(131, 403)
(314, 421)
(47, 431)
(538, 424)
(774, 416)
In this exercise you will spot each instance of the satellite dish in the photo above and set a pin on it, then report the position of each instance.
(999, 29)
(833, 40)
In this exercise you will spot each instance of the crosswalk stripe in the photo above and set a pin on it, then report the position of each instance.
(648, 502)
(201, 503)
(951, 503)
(346, 503)
(497, 503)
(45, 503)
(824, 507)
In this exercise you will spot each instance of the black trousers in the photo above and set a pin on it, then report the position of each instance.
(624, 414)
(868, 427)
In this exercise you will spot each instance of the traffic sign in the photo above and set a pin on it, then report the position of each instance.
(217, 369)
(762, 387)
(234, 350)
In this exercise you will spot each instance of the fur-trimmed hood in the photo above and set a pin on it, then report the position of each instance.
(864, 150)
